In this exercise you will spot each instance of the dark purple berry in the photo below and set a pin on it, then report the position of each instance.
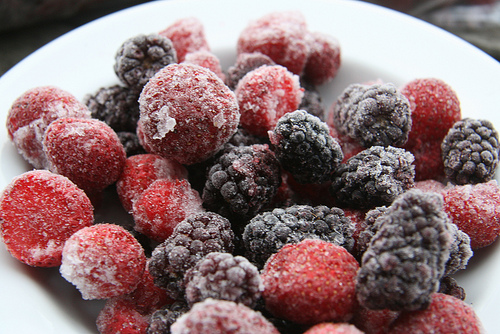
(245, 62)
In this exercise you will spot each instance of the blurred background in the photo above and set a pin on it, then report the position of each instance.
(26, 25)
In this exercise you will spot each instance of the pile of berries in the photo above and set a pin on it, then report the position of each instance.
(255, 209)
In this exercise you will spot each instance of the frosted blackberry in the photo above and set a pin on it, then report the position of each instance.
(245, 62)
(460, 250)
(470, 151)
(369, 229)
(116, 106)
(312, 103)
(141, 56)
(373, 177)
(242, 181)
(373, 114)
(243, 138)
(449, 286)
(191, 240)
(304, 147)
(162, 319)
(131, 143)
(223, 276)
(406, 258)
(268, 232)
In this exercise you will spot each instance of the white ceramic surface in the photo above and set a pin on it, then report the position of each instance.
(376, 43)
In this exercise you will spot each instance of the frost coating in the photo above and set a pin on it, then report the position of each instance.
(165, 123)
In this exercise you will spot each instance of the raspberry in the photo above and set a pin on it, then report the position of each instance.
(187, 113)
(430, 185)
(118, 316)
(187, 35)
(87, 151)
(32, 112)
(142, 170)
(475, 210)
(103, 261)
(140, 57)
(445, 314)
(470, 151)
(331, 328)
(190, 241)
(428, 160)
(222, 317)
(373, 177)
(223, 276)
(268, 232)
(131, 143)
(323, 60)
(163, 205)
(279, 35)
(264, 95)
(245, 62)
(304, 147)
(206, 59)
(116, 106)
(311, 282)
(162, 319)
(406, 257)
(39, 211)
(242, 181)
(374, 321)
(373, 114)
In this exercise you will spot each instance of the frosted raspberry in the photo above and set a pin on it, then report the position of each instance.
(39, 211)
(279, 35)
(475, 210)
(103, 261)
(311, 282)
(187, 113)
(223, 276)
(245, 62)
(331, 328)
(374, 321)
(206, 59)
(188, 35)
(444, 315)
(32, 112)
(223, 317)
(163, 205)
(118, 316)
(323, 60)
(430, 185)
(264, 95)
(142, 170)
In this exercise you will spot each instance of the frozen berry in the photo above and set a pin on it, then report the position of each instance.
(142, 170)
(375, 114)
(222, 317)
(87, 151)
(310, 282)
(470, 151)
(373, 177)
(118, 316)
(131, 143)
(187, 35)
(164, 204)
(39, 211)
(323, 60)
(268, 232)
(32, 112)
(445, 314)
(116, 106)
(264, 95)
(242, 181)
(407, 255)
(333, 328)
(312, 102)
(206, 59)
(460, 250)
(223, 276)
(475, 209)
(162, 319)
(304, 147)
(190, 241)
(374, 321)
(245, 62)
(279, 35)
(187, 113)
(103, 261)
(141, 56)
(448, 285)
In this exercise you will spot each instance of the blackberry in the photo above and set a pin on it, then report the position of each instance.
(449, 286)
(141, 56)
(223, 276)
(242, 181)
(304, 147)
(162, 319)
(268, 232)
(375, 114)
(245, 62)
(243, 138)
(192, 239)
(312, 103)
(406, 257)
(370, 227)
(116, 105)
(373, 177)
(470, 151)
(460, 250)
(130, 143)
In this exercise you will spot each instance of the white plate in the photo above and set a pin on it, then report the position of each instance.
(376, 43)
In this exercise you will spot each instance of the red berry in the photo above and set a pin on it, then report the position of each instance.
(120, 317)
(333, 328)
(311, 282)
(39, 211)
(323, 61)
(206, 59)
(374, 321)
